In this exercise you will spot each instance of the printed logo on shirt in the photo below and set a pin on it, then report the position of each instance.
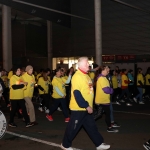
(90, 87)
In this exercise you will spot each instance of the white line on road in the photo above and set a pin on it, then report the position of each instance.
(133, 113)
(37, 140)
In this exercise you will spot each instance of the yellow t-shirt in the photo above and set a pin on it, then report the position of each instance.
(123, 79)
(44, 84)
(83, 83)
(37, 77)
(30, 87)
(5, 80)
(92, 75)
(114, 82)
(140, 78)
(10, 74)
(101, 97)
(147, 77)
(16, 94)
(60, 84)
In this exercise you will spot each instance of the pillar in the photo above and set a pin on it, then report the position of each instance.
(49, 43)
(6, 37)
(98, 32)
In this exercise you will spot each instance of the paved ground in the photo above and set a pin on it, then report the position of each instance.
(134, 131)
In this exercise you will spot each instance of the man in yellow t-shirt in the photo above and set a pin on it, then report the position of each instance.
(81, 106)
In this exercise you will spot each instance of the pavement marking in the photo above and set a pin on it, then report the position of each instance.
(37, 140)
(133, 113)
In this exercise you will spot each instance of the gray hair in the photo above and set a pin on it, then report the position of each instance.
(80, 60)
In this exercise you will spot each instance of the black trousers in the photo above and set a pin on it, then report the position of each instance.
(6, 95)
(106, 109)
(115, 94)
(14, 107)
(147, 90)
(56, 103)
(46, 98)
(77, 120)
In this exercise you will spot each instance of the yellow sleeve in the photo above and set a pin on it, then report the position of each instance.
(64, 79)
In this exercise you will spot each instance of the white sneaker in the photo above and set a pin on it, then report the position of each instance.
(141, 102)
(135, 99)
(103, 146)
(40, 109)
(122, 101)
(128, 104)
(118, 103)
(70, 148)
(47, 111)
(59, 109)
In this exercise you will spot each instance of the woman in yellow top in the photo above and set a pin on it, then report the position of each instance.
(115, 87)
(59, 95)
(147, 83)
(124, 86)
(102, 98)
(17, 87)
(140, 84)
(43, 87)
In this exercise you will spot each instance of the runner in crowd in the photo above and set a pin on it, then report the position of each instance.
(17, 87)
(102, 98)
(81, 105)
(124, 86)
(59, 95)
(140, 86)
(43, 86)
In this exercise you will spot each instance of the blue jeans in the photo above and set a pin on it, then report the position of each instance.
(140, 94)
(55, 105)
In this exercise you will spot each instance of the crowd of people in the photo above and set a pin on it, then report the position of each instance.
(83, 96)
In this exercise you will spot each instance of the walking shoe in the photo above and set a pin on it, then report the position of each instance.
(122, 101)
(135, 100)
(112, 130)
(118, 103)
(49, 117)
(131, 100)
(40, 109)
(141, 102)
(146, 146)
(59, 109)
(47, 111)
(103, 146)
(12, 125)
(34, 123)
(128, 104)
(70, 148)
(29, 125)
(115, 125)
(67, 119)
